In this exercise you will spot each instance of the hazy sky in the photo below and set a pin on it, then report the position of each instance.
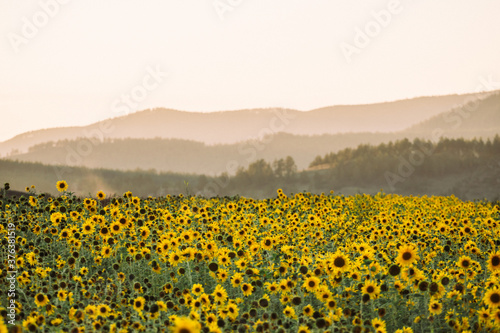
(75, 62)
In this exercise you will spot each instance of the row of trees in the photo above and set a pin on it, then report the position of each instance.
(407, 167)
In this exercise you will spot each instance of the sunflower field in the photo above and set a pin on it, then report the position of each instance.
(291, 263)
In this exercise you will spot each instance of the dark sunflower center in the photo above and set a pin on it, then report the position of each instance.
(407, 256)
(40, 298)
(495, 298)
(370, 289)
(495, 261)
(339, 262)
(465, 263)
(312, 284)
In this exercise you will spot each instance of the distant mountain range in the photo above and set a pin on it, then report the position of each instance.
(235, 126)
(212, 143)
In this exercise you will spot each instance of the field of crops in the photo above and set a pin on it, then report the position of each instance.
(291, 263)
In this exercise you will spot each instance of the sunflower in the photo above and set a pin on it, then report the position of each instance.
(308, 310)
(219, 293)
(435, 307)
(378, 324)
(101, 195)
(311, 283)
(464, 262)
(496, 317)
(371, 288)
(41, 300)
(236, 279)
(494, 262)
(241, 264)
(484, 315)
(339, 262)
(175, 258)
(289, 312)
(115, 228)
(232, 311)
(106, 251)
(407, 254)
(186, 325)
(492, 297)
(104, 310)
(62, 295)
(62, 186)
(139, 303)
(303, 329)
(331, 304)
(33, 201)
(197, 289)
(267, 243)
(88, 228)
(247, 289)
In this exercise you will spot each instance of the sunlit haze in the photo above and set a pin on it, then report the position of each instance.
(68, 63)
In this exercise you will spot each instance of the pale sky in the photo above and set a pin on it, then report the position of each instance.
(74, 62)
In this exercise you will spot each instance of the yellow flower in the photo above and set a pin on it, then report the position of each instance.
(185, 325)
(494, 262)
(492, 298)
(41, 300)
(139, 303)
(247, 289)
(371, 288)
(197, 289)
(101, 195)
(62, 186)
(407, 255)
(219, 293)
(62, 294)
(435, 307)
(289, 312)
(311, 283)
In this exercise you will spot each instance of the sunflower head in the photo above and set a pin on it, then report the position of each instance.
(62, 186)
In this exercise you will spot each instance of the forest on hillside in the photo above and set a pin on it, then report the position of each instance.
(469, 169)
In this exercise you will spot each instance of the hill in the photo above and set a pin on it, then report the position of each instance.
(179, 155)
(478, 118)
(228, 127)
